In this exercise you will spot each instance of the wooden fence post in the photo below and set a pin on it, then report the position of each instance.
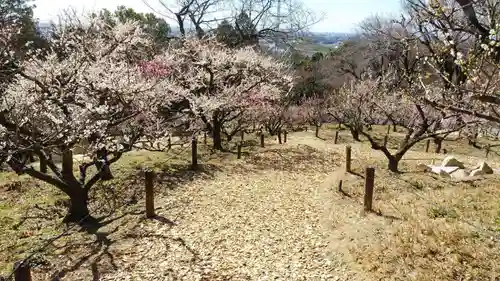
(427, 144)
(285, 133)
(22, 271)
(348, 158)
(239, 150)
(150, 197)
(279, 136)
(385, 140)
(336, 137)
(369, 180)
(261, 139)
(194, 153)
(488, 147)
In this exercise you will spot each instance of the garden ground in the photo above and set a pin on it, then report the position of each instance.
(276, 214)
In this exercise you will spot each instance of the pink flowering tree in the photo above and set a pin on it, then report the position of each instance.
(86, 93)
(367, 102)
(218, 84)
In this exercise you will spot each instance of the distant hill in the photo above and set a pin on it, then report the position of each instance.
(306, 42)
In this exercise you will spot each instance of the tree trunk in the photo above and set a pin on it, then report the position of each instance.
(78, 210)
(217, 134)
(393, 164)
(355, 135)
(439, 143)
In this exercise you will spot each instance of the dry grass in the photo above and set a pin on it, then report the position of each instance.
(275, 213)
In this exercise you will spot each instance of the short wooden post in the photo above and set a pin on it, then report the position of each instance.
(22, 271)
(340, 186)
(385, 140)
(169, 142)
(279, 136)
(150, 201)
(488, 147)
(348, 158)
(369, 181)
(242, 135)
(204, 137)
(194, 154)
(427, 144)
(285, 133)
(239, 150)
(336, 137)
(388, 129)
(43, 165)
(261, 139)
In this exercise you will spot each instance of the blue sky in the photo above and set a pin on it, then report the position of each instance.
(341, 15)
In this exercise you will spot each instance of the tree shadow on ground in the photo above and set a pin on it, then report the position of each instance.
(94, 251)
(293, 159)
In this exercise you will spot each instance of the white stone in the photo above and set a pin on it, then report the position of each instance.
(460, 174)
(476, 173)
(451, 161)
(483, 166)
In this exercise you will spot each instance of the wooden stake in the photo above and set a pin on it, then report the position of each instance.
(385, 140)
(194, 154)
(369, 181)
(285, 133)
(150, 201)
(169, 144)
(388, 129)
(22, 271)
(261, 139)
(336, 137)
(279, 136)
(348, 158)
(239, 150)
(427, 144)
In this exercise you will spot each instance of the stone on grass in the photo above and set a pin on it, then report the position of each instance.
(451, 161)
(477, 172)
(460, 174)
(484, 167)
(444, 174)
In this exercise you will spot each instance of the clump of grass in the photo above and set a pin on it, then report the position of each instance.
(442, 212)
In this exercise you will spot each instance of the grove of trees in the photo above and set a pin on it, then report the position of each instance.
(118, 78)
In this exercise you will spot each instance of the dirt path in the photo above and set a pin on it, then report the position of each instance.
(259, 225)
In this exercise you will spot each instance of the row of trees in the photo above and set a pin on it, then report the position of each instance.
(110, 82)
(118, 80)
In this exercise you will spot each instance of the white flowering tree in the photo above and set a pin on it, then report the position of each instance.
(316, 111)
(219, 84)
(459, 42)
(86, 92)
(366, 102)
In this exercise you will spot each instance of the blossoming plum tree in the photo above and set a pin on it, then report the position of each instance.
(219, 84)
(87, 91)
(366, 102)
